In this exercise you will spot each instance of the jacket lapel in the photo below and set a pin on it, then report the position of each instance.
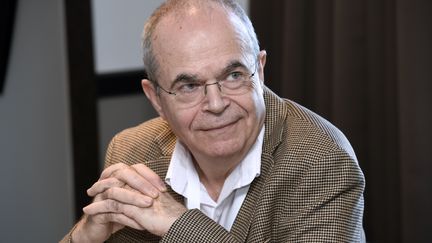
(166, 142)
(160, 167)
(274, 123)
(243, 221)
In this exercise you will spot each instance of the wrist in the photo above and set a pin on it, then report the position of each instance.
(69, 235)
(76, 236)
(79, 233)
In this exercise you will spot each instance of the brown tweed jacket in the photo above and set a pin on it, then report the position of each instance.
(310, 188)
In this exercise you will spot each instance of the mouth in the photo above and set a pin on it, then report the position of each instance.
(219, 127)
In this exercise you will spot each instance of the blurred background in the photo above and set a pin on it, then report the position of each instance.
(70, 76)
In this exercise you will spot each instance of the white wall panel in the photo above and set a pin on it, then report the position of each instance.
(117, 27)
(35, 150)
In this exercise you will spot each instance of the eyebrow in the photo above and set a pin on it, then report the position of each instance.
(185, 77)
(232, 66)
(193, 78)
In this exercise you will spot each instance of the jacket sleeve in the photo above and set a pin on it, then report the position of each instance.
(194, 226)
(332, 195)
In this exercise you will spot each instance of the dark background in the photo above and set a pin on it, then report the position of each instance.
(367, 67)
(7, 18)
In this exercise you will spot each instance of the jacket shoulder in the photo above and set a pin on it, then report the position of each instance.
(148, 141)
(301, 120)
(295, 125)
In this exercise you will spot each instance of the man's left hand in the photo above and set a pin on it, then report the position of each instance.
(157, 218)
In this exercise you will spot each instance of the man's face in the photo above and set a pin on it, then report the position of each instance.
(203, 46)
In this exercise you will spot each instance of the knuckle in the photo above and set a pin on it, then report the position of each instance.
(107, 217)
(115, 173)
(121, 173)
(110, 193)
(114, 182)
(136, 177)
(138, 165)
(114, 206)
(111, 180)
(132, 190)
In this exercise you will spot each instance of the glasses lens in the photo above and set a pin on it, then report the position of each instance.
(192, 94)
(189, 100)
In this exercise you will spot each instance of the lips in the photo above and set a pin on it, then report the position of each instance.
(217, 127)
(217, 124)
(211, 122)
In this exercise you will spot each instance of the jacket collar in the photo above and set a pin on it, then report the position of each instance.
(166, 140)
(276, 113)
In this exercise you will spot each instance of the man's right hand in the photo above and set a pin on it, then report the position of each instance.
(130, 185)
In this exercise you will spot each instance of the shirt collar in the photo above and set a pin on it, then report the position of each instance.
(182, 176)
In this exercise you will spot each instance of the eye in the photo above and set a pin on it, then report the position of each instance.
(188, 87)
(235, 76)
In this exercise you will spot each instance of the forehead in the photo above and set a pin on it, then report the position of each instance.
(198, 38)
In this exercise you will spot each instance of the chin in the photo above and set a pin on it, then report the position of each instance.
(224, 149)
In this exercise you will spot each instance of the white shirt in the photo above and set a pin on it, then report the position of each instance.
(183, 179)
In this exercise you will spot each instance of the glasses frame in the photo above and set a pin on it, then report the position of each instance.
(158, 86)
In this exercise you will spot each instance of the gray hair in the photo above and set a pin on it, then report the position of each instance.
(171, 6)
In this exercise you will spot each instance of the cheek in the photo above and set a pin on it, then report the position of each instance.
(179, 120)
(260, 108)
(255, 107)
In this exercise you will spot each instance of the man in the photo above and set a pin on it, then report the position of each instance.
(227, 160)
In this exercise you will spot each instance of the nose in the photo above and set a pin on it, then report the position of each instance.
(215, 102)
(215, 83)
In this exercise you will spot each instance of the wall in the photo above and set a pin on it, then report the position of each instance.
(116, 39)
(365, 66)
(415, 117)
(35, 152)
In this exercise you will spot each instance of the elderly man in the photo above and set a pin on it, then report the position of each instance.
(227, 160)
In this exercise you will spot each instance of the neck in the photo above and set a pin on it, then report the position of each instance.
(213, 174)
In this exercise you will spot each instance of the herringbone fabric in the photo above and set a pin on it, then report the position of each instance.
(310, 188)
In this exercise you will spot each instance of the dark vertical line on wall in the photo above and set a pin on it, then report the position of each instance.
(309, 50)
(381, 162)
(414, 113)
(83, 95)
(292, 48)
(270, 36)
(391, 123)
(7, 19)
(321, 91)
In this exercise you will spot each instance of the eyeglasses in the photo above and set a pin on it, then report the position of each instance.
(190, 93)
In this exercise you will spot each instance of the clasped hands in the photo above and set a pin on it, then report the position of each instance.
(124, 195)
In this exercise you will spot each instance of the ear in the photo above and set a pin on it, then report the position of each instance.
(152, 95)
(262, 57)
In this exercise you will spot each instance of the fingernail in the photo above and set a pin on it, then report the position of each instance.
(154, 193)
(162, 186)
(148, 202)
